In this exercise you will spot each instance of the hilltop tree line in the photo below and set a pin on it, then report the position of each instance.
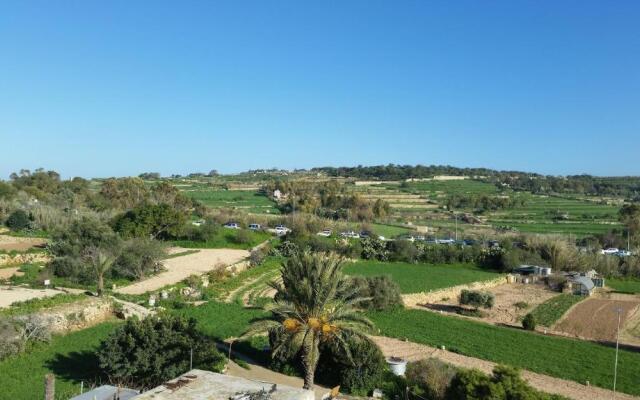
(628, 187)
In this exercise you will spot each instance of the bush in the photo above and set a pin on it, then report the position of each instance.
(403, 250)
(430, 377)
(156, 349)
(139, 258)
(374, 249)
(18, 220)
(358, 375)
(383, 292)
(505, 383)
(529, 322)
(477, 299)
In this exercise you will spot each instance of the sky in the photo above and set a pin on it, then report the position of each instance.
(112, 88)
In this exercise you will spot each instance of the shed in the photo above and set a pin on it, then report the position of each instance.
(582, 285)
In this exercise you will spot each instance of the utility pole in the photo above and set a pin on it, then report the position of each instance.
(615, 368)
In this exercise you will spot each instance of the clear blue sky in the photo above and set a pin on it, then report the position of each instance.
(110, 88)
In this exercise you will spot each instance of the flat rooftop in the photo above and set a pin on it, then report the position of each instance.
(204, 385)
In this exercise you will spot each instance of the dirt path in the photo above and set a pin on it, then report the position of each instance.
(573, 390)
(6, 273)
(9, 295)
(179, 268)
(9, 243)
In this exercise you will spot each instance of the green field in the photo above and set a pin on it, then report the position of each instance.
(246, 200)
(226, 238)
(416, 278)
(575, 360)
(547, 313)
(435, 189)
(71, 358)
(624, 285)
(222, 320)
(389, 231)
(537, 216)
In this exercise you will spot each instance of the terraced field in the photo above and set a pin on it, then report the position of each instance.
(416, 278)
(246, 200)
(542, 214)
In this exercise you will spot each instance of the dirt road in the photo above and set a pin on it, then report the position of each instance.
(9, 243)
(179, 268)
(573, 390)
(9, 295)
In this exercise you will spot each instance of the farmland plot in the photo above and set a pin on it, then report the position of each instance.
(416, 278)
(597, 318)
(250, 201)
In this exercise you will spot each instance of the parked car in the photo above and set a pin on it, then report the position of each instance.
(364, 234)
(325, 233)
(282, 230)
(610, 250)
(232, 225)
(623, 253)
(349, 234)
(255, 227)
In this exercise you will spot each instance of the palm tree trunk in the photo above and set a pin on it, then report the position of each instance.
(310, 361)
(100, 284)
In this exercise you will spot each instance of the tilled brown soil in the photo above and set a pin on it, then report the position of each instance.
(597, 318)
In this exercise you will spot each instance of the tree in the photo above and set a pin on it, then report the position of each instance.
(18, 220)
(630, 216)
(138, 258)
(101, 259)
(81, 250)
(156, 349)
(314, 303)
(476, 299)
(529, 322)
(157, 221)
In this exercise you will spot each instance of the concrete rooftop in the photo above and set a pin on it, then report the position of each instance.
(204, 385)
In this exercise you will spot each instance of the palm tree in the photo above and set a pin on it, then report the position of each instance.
(314, 303)
(101, 260)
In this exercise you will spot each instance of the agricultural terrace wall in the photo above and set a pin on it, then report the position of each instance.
(28, 258)
(414, 299)
(76, 316)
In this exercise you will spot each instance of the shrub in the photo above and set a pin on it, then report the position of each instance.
(477, 299)
(529, 322)
(430, 377)
(357, 375)
(18, 220)
(382, 291)
(403, 250)
(374, 249)
(139, 258)
(156, 349)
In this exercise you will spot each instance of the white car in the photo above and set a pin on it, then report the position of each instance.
(255, 227)
(282, 230)
(623, 253)
(232, 225)
(350, 234)
(325, 233)
(610, 250)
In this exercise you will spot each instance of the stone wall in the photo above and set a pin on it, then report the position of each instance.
(23, 258)
(78, 315)
(413, 299)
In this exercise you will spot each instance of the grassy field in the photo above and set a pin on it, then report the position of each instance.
(389, 231)
(415, 278)
(226, 238)
(575, 360)
(246, 200)
(537, 216)
(33, 305)
(434, 189)
(71, 358)
(222, 320)
(624, 285)
(552, 310)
